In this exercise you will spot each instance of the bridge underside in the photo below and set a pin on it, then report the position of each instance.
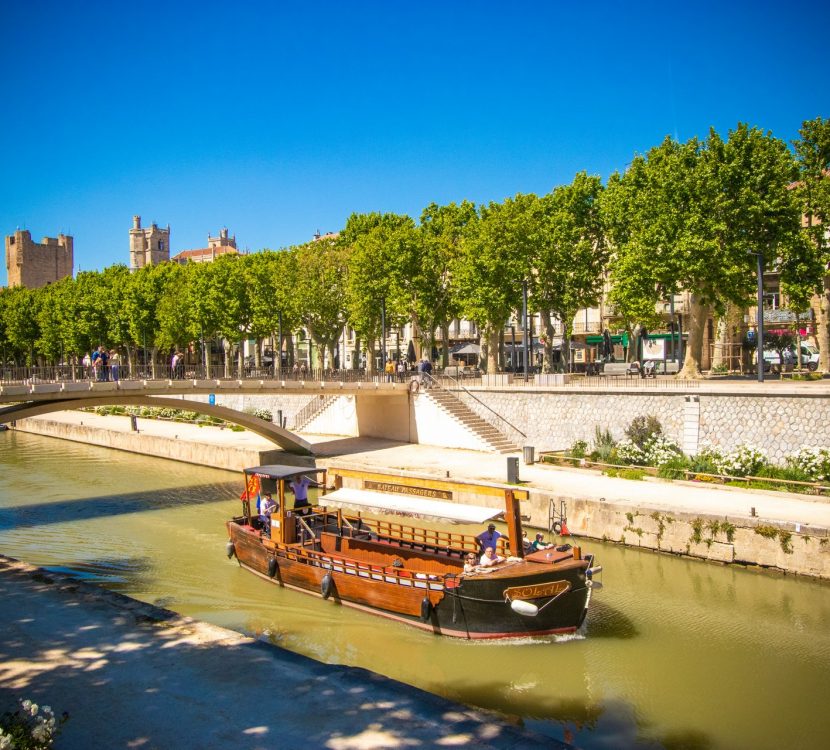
(286, 440)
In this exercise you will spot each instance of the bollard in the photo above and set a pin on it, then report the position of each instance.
(752, 511)
(133, 423)
(512, 470)
(528, 452)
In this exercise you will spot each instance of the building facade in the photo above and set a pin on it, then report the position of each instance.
(217, 246)
(148, 246)
(36, 264)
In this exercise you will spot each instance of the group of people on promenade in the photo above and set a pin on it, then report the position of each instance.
(488, 544)
(402, 368)
(103, 365)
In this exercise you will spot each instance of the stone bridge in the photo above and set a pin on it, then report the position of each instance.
(35, 398)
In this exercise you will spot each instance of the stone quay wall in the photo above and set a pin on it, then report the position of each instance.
(554, 419)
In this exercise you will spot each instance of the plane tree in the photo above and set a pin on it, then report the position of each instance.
(494, 261)
(569, 258)
(699, 213)
(382, 261)
(435, 301)
(319, 294)
(813, 156)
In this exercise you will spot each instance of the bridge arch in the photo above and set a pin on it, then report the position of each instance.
(288, 441)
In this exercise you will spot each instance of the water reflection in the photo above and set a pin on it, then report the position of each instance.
(675, 654)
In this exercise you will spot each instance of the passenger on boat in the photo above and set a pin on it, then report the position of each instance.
(266, 508)
(490, 558)
(488, 538)
(299, 486)
(526, 543)
(470, 563)
(540, 543)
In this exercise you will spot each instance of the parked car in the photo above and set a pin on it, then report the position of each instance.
(809, 358)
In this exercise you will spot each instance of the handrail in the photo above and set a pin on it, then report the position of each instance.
(472, 395)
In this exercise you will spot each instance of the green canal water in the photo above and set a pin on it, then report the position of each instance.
(674, 654)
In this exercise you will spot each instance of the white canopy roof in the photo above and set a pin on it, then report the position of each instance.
(410, 506)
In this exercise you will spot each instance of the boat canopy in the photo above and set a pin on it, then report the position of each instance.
(278, 471)
(410, 506)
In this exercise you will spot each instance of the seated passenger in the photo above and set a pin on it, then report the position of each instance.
(539, 543)
(490, 558)
(470, 563)
(526, 545)
(266, 508)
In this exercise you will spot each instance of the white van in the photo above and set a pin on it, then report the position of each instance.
(809, 358)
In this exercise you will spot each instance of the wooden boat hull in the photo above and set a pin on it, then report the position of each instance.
(462, 606)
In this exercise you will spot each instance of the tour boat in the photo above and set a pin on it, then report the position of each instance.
(406, 573)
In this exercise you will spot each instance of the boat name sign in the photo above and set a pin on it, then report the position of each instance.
(537, 591)
(401, 489)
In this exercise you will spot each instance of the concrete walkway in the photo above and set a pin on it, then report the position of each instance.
(131, 675)
(654, 494)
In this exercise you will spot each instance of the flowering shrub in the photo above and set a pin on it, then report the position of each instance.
(31, 727)
(745, 460)
(656, 451)
(814, 462)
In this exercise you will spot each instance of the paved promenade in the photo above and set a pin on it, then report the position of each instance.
(473, 465)
(135, 676)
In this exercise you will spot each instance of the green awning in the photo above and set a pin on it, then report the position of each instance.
(619, 338)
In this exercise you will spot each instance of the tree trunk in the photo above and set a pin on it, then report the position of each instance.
(240, 360)
(153, 360)
(445, 335)
(492, 336)
(226, 348)
(567, 329)
(547, 325)
(823, 328)
(699, 314)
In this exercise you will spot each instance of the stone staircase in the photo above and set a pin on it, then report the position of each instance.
(470, 420)
(311, 411)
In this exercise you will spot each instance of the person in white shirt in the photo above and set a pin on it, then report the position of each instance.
(266, 509)
(489, 558)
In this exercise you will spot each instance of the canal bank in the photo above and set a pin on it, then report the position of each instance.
(135, 675)
(783, 531)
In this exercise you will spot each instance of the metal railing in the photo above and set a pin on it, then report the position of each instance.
(501, 424)
(82, 373)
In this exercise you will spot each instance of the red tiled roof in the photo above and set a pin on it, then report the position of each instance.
(203, 252)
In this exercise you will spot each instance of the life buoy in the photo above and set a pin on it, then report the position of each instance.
(326, 586)
(426, 609)
(557, 527)
(272, 567)
(230, 550)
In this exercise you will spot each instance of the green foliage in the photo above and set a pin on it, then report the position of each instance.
(624, 473)
(697, 530)
(766, 531)
(604, 446)
(642, 430)
(579, 448)
(674, 469)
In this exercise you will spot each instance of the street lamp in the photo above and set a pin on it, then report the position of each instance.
(759, 316)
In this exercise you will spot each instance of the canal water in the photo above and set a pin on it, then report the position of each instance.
(675, 653)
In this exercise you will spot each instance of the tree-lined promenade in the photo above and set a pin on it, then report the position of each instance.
(687, 216)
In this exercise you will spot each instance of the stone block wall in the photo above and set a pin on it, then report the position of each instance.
(36, 264)
(554, 419)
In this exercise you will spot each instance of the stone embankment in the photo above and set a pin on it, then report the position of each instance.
(133, 675)
(783, 531)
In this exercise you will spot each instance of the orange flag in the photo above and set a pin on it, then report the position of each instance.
(252, 488)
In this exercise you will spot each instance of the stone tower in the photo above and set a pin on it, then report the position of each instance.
(222, 240)
(148, 246)
(33, 264)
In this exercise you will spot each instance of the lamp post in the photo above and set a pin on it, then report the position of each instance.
(525, 330)
(383, 333)
(759, 316)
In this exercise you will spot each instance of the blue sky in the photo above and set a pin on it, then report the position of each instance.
(276, 119)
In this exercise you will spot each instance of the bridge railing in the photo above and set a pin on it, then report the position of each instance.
(82, 373)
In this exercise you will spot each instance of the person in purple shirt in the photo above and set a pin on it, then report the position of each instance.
(299, 486)
(489, 538)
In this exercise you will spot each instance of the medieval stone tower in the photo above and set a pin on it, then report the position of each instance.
(148, 246)
(33, 264)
